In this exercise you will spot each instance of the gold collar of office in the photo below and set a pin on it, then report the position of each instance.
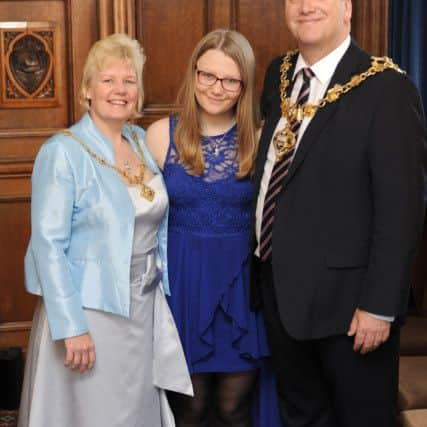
(285, 139)
(146, 191)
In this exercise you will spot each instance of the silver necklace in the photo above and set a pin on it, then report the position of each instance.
(215, 142)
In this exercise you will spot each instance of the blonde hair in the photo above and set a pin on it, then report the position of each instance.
(187, 131)
(116, 47)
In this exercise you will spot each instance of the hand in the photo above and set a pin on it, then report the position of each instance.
(80, 353)
(368, 331)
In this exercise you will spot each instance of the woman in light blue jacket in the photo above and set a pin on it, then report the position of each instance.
(97, 257)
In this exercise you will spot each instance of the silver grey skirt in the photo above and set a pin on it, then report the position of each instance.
(136, 360)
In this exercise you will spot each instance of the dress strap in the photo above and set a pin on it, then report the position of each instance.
(172, 153)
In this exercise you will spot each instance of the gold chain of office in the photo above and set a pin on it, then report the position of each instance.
(145, 190)
(285, 139)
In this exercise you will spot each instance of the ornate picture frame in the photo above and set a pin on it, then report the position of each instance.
(28, 72)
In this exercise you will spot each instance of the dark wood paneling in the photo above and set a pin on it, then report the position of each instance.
(15, 334)
(221, 14)
(36, 11)
(15, 304)
(370, 25)
(168, 30)
(83, 32)
(263, 23)
(22, 131)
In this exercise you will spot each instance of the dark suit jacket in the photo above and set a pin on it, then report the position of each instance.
(350, 215)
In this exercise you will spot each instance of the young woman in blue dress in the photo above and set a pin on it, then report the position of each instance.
(207, 153)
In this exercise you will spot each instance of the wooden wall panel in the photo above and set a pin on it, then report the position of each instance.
(262, 23)
(22, 131)
(53, 117)
(168, 30)
(370, 25)
(15, 306)
(83, 27)
(222, 14)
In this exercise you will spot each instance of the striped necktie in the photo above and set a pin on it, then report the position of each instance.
(280, 170)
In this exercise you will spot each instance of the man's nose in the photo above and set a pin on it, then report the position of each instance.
(307, 6)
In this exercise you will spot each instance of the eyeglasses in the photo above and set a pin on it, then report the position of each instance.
(227, 83)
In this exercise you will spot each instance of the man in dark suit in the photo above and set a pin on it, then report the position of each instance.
(339, 212)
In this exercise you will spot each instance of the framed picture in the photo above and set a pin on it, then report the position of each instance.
(27, 64)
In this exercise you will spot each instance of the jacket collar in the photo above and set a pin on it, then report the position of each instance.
(91, 136)
(353, 62)
(86, 130)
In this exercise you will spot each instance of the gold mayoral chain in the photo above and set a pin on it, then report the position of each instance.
(146, 191)
(285, 139)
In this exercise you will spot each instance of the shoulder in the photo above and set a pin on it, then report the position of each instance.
(274, 66)
(159, 128)
(392, 85)
(55, 158)
(140, 132)
(157, 139)
(393, 102)
(61, 154)
(272, 74)
(58, 146)
(400, 81)
(270, 95)
(66, 143)
(384, 79)
(276, 62)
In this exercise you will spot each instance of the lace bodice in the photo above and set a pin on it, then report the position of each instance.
(219, 153)
(215, 202)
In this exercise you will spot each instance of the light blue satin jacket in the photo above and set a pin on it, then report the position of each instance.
(82, 221)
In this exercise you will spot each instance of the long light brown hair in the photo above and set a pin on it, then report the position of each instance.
(188, 129)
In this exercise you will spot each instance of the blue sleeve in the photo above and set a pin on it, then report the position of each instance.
(51, 222)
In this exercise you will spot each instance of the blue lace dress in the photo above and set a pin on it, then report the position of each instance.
(209, 231)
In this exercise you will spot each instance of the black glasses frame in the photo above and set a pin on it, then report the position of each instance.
(198, 72)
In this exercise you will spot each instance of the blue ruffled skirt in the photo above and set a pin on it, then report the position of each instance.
(209, 279)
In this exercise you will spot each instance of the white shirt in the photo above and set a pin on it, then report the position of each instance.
(323, 71)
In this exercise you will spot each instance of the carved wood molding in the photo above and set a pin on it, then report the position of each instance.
(15, 334)
(15, 198)
(15, 326)
(116, 16)
(16, 167)
(20, 133)
(28, 70)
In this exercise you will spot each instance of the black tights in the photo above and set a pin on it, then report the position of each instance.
(220, 400)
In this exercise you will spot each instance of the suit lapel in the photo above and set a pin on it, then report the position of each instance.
(268, 129)
(346, 68)
(266, 135)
